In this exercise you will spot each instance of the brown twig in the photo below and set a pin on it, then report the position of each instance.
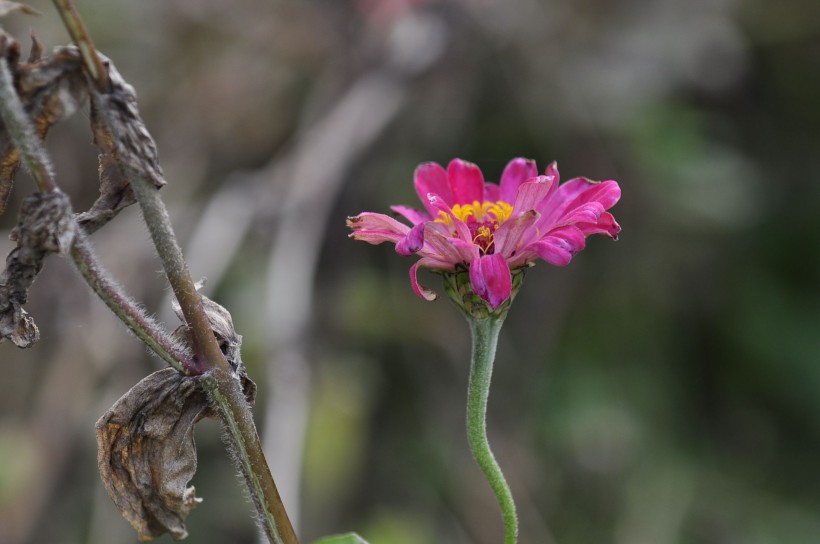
(135, 153)
(79, 35)
(36, 161)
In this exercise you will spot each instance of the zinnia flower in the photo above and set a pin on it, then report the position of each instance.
(493, 230)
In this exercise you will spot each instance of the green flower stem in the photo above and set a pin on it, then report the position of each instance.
(485, 338)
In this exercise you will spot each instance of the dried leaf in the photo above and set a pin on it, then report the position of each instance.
(9, 156)
(229, 341)
(145, 442)
(51, 88)
(115, 194)
(124, 144)
(45, 225)
(147, 455)
(10, 7)
(36, 52)
(8, 167)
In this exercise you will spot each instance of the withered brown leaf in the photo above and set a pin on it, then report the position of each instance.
(125, 145)
(115, 191)
(7, 7)
(45, 225)
(145, 442)
(146, 452)
(51, 88)
(226, 336)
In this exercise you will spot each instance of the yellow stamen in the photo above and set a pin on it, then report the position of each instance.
(498, 212)
(482, 218)
(484, 238)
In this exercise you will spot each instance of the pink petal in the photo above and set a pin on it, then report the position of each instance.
(552, 170)
(515, 173)
(516, 233)
(430, 177)
(531, 194)
(575, 193)
(606, 225)
(466, 181)
(418, 288)
(492, 192)
(413, 242)
(444, 248)
(606, 192)
(491, 279)
(586, 213)
(376, 228)
(559, 246)
(438, 204)
(411, 214)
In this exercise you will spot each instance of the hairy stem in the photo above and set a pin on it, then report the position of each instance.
(36, 161)
(79, 34)
(246, 448)
(22, 132)
(222, 389)
(485, 337)
(129, 312)
(176, 270)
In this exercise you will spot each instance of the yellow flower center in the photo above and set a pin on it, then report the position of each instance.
(482, 218)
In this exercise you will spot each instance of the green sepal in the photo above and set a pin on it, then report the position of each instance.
(458, 287)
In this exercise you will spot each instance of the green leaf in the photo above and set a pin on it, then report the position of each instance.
(349, 538)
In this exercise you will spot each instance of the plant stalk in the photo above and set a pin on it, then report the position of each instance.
(79, 34)
(222, 388)
(22, 133)
(485, 338)
(225, 392)
(126, 309)
(34, 157)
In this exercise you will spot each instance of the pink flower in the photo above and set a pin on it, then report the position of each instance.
(491, 230)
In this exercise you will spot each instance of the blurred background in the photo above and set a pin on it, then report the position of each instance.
(661, 389)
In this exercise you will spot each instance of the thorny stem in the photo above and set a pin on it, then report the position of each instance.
(485, 338)
(34, 157)
(78, 32)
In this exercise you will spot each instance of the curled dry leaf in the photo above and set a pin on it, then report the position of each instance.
(51, 88)
(229, 341)
(115, 191)
(9, 156)
(10, 7)
(126, 149)
(145, 442)
(45, 225)
(146, 452)
(130, 142)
